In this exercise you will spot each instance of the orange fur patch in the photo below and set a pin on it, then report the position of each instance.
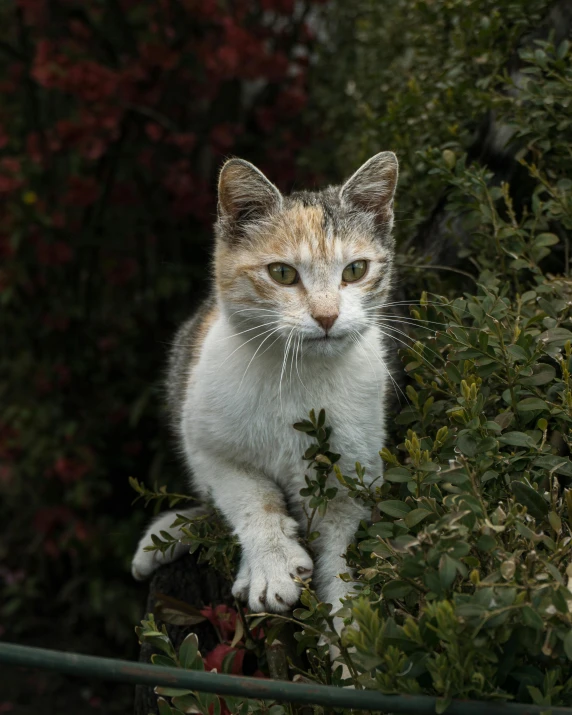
(201, 333)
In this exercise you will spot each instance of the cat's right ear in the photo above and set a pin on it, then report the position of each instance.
(244, 195)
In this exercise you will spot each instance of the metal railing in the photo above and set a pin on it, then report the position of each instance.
(309, 694)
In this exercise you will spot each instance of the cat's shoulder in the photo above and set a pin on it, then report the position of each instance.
(185, 352)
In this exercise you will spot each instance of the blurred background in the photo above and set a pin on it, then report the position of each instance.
(115, 116)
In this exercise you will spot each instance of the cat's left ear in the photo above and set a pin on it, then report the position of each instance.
(372, 187)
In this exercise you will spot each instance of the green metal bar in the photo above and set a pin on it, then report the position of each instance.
(146, 674)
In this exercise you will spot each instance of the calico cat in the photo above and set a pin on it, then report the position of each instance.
(291, 325)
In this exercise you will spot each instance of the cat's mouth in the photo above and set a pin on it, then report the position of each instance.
(325, 338)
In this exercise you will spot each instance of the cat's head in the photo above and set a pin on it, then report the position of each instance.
(313, 265)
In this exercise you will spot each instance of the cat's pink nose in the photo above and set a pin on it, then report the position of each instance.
(326, 321)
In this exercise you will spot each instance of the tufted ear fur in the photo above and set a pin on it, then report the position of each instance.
(372, 187)
(244, 195)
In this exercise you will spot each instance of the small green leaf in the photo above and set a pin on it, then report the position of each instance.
(396, 590)
(164, 707)
(531, 499)
(163, 660)
(304, 426)
(395, 508)
(518, 353)
(530, 404)
(161, 642)
(504, 419)
(185, 703)
(555, 521)
(447, 571)
(467, 443)
(416, 516)
(555, 335)
(531, 618)
(517, 439)
(171, 692)
(441, 705)
(541, 375)
(188, 651)
(398, 474)
(486, 542)
(382, 529)
(546, 239)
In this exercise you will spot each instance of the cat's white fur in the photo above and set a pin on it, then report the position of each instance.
(241, 399)
(254, 429)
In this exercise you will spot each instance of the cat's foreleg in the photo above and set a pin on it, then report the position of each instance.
(255, 508)
(145, 562)
(337, 530)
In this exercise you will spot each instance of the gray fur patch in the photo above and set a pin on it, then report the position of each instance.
(185, 347)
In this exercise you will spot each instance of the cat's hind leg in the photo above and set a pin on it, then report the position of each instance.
(144, 562)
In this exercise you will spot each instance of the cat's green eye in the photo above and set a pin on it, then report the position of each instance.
(354, 271)
(283, 274)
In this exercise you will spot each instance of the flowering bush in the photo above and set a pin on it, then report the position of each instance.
(114, 120)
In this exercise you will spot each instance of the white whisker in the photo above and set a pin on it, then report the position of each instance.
(409, 347)
(244, 343)
(256, 353)
(383, 364)
(413, 340)
(286, 351)
(249, 330)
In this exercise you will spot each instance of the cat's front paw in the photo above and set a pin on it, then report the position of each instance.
(266, 580)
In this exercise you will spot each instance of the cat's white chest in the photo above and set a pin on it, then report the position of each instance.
(244, 407)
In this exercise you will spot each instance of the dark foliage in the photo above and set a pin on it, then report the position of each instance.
(114, 120)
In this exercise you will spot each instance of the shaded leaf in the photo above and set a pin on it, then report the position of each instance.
(393, 507)
(188, 651)
(531, 499)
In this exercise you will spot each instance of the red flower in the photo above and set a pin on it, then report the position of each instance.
(35, 11)
(70, 470)
(48, 517)
(291, 101)
(9, 174)
(79, 30)
(57, 253)
(124, 194)
(58, 323)
(6, 474)
(223, 136)
(6, 249)
(223, 619)
(184, 142)
(122, 271)
(215, 659)
(33, 147)
(284, 6)
(154, 131)
(82, 191)
(158, 55)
